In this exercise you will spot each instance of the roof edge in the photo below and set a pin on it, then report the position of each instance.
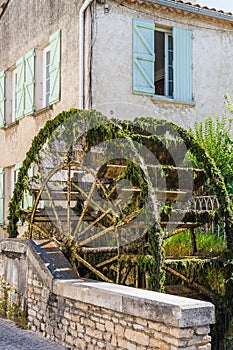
(192, 9)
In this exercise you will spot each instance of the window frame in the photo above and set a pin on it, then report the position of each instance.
(14, 96)
(166, 68)
(46, 77)
(167, 33)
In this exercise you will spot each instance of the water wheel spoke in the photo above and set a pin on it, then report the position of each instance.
(99, 234)
(108, 261)
(94, 223)
(92, 269)
(101, 185)
(92, 201)
(193, 284)
(45, 234)
(118, 272)
(54, 209)
(84, 210)
(40, 230)
(125, 273)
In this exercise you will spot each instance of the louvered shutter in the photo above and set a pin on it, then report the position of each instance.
(28, 200)
(54, 70)
(143, 56)
(1, 196)
(29, 82)
(2, 99)
(182, 64)
(20, 88)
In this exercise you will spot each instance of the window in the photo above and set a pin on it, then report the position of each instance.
(46, 76)
(49, 76)
(14, 95)
(162, 61)
(18, 83)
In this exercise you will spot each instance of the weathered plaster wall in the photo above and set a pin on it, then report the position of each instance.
(26, 25)
(112, 65)
(91, 315)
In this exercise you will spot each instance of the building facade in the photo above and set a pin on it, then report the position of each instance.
(126, 58)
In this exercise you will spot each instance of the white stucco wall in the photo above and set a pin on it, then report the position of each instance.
(112, 65)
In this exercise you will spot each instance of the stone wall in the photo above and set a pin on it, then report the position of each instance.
(86, 314)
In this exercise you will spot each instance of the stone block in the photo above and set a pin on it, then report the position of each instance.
(202, 330)
(138, 327)
(109, 326)
(204, 347)
(100, 326)
(137, 337)
(80, 343)
(158, 344)
(197, 340)
(94, 333)
(119, 330)
(101, 345)
(131, 346)
(121, 343)
(89, 323)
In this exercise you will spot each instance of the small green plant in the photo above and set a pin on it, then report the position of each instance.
(214, 135)
(207, 244)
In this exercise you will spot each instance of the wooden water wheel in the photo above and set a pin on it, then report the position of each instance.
(114, 193)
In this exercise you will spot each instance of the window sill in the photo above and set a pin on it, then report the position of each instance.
(166, 100)
(42, 110)
(11, 125)
(34, 114)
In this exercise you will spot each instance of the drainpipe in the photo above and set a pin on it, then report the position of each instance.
(81, 51)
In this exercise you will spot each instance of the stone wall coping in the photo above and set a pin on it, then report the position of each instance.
(57, 274)
(45, 257)
(158, 307)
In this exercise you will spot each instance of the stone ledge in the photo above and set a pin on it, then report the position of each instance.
(44, 256)
(158, 307)
(57, 274)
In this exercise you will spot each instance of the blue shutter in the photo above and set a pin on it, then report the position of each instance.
(29, 82)
(1, 196)
(54, 69)
(20, 88)
(2, 99)
(143, 56)
(182, 64)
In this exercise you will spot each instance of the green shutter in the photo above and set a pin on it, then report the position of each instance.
(143, 56)
(2, 99)
(20, 88)
(54, 69)
(182, 64)
(1, 196)
(28, 200)
(29, 82)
